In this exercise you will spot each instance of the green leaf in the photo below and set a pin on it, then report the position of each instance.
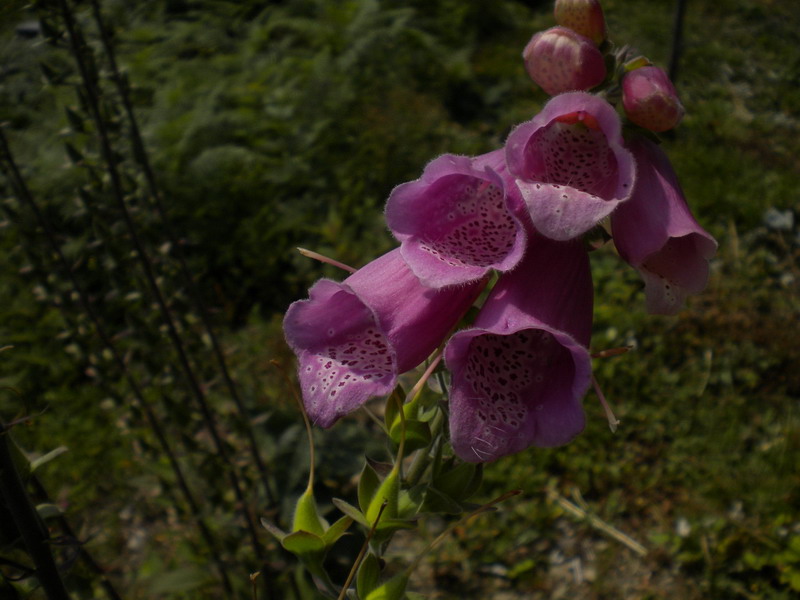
(351, 511)
(418, 434)
(368, 575)
(367, 486)
(410, 501)
(437, 502)
(279, 534)
(48, 510)
(459, 482)
(337, 530)
(301, 543)
(306, 517)
(35, 464)
(392, 525)
(388, 491)
(394, 589)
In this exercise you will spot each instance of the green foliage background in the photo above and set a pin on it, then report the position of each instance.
(278, 124)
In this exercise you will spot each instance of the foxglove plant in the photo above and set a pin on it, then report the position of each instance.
(517, 220)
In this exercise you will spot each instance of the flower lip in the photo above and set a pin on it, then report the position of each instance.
(462, 218)
(341, 349)
(571, 165)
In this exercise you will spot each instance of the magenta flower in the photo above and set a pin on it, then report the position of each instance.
(650, 99)
(570, 164)
(656, 233)
(518, 375)
(560, 60)
(459, 220)
(352, 339)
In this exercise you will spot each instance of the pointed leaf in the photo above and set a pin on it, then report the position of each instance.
(368, 575)
(392, 525)
(351, 511)
(48, 511)
(418, 434)
(279, 534)
(35, 464)
(394, 589)
(337, 530)
(388, 491)
(454, 481)
(367, 486)
(437, 502)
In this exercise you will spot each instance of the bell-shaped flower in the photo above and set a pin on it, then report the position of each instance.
(519, 374)
(571, 165)
(650, 99)
(459, 220)
(584, 16)
(352, 339)
(656, 233)
(560, 60)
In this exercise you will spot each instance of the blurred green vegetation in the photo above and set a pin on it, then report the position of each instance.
(277, 124)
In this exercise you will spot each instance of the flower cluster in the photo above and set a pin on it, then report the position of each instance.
(520, 370)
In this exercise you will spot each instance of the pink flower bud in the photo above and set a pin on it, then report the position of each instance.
(582, 16)
(650, 99)
(560, 60)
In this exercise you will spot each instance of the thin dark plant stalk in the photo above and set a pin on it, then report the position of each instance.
(84, 554)
(361, 553)
(677, 40)
(24, 194)
(34, 534)
(142, 157)
(147, 268)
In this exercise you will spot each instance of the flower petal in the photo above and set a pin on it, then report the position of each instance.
(458, 220)
(656, 233)
(519, 374)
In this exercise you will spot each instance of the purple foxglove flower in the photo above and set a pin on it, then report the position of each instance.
(656, 233)
(459, 220)
(352, 339)
(518, 375)
(583, 16)
(650, 99)
(561, 60)
(571, 165)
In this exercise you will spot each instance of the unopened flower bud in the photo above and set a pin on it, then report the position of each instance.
(560, 60)
(650, 99)
(583, 16)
